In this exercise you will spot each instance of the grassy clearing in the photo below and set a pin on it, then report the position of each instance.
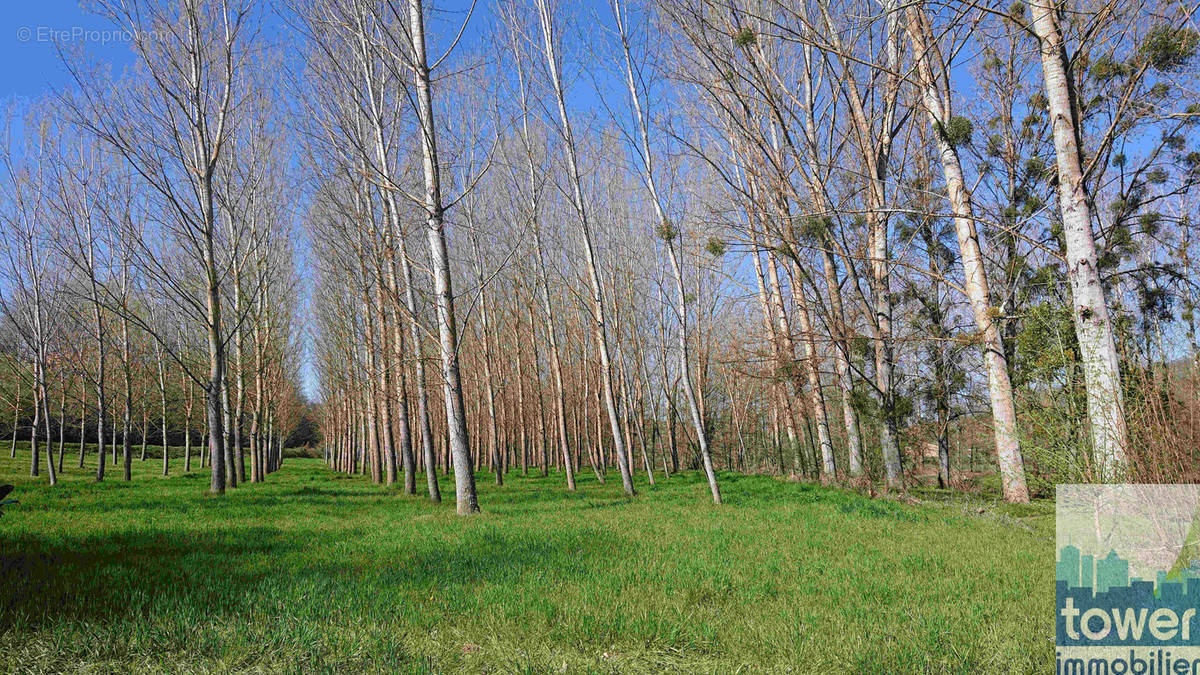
(316, 572)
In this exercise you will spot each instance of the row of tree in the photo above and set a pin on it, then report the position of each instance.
(146, 250)
(907, 277)
(813, 237)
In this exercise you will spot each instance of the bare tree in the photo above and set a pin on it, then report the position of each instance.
(550, 51)
(1093, 324)
(932, 74)
(669, 233)
(184, 98)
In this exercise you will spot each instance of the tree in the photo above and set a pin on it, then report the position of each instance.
(550, 50)
(184, 97)
(932, 72)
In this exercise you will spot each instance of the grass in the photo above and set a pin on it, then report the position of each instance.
(319, 572)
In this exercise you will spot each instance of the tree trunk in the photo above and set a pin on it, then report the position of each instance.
(401, 381)
(439, 257)
(82, 425)
(127, 411)
(812, 368)
(216, 360)
(488, 378)
(937, 103)
(426, 426)
(1093, 325)
(598, 303)
(17, 416)
(235, 413)
(62, 423)
(187, 428)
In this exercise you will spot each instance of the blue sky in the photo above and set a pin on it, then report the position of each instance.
(31, 31)
(27, 34)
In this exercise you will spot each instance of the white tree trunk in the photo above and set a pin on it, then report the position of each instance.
(936, 98)
(647, 156)
(598, 303)
(812, 361)
(439, 257)
(1093, 326)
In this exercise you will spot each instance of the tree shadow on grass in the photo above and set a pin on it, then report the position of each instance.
(201, 574)
(103, 577)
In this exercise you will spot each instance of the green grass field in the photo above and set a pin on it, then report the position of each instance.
(319, 572)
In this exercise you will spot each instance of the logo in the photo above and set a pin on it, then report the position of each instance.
(1127, 580)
